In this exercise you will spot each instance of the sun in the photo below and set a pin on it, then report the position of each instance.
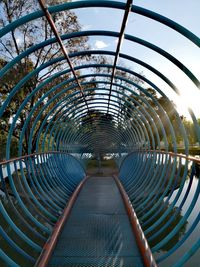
(188, 99)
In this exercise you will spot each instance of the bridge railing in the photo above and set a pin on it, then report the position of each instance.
(164, 188)
(34, 191)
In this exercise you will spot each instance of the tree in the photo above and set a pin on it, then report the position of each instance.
(154, 114)
(190, 131)
(3, 140)
(20, 40)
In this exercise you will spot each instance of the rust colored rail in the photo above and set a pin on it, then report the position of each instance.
(145, 251)
(138, 151)
(51, 243)
(31, 155)
(176, 155)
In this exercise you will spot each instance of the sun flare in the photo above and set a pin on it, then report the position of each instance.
(188, 99)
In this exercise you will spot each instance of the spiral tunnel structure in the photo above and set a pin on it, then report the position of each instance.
(97, 108)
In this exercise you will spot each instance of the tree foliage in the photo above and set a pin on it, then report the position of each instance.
(157, 117)
(20, 40)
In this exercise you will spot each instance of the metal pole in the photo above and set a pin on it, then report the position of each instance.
(119, 44)
(63, 48)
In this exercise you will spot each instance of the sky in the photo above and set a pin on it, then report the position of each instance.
(183, 12)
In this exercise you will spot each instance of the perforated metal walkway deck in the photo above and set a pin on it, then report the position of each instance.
(98, 232)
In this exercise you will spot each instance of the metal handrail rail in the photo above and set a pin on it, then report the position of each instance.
(31, 155)
(143, 245)
(48, 248)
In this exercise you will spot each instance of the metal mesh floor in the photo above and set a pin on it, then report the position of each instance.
(97, 232)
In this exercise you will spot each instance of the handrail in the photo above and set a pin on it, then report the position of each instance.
(52, 241)
(187, 157)
(177, 155)
(136, 151)
(32, 155)
(145, 251)
(164, 189)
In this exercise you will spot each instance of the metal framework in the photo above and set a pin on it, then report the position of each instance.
(163, 186)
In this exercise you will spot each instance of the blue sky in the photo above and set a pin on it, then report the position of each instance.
(185, 13)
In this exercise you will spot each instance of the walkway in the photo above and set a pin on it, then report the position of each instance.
(98, 232)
